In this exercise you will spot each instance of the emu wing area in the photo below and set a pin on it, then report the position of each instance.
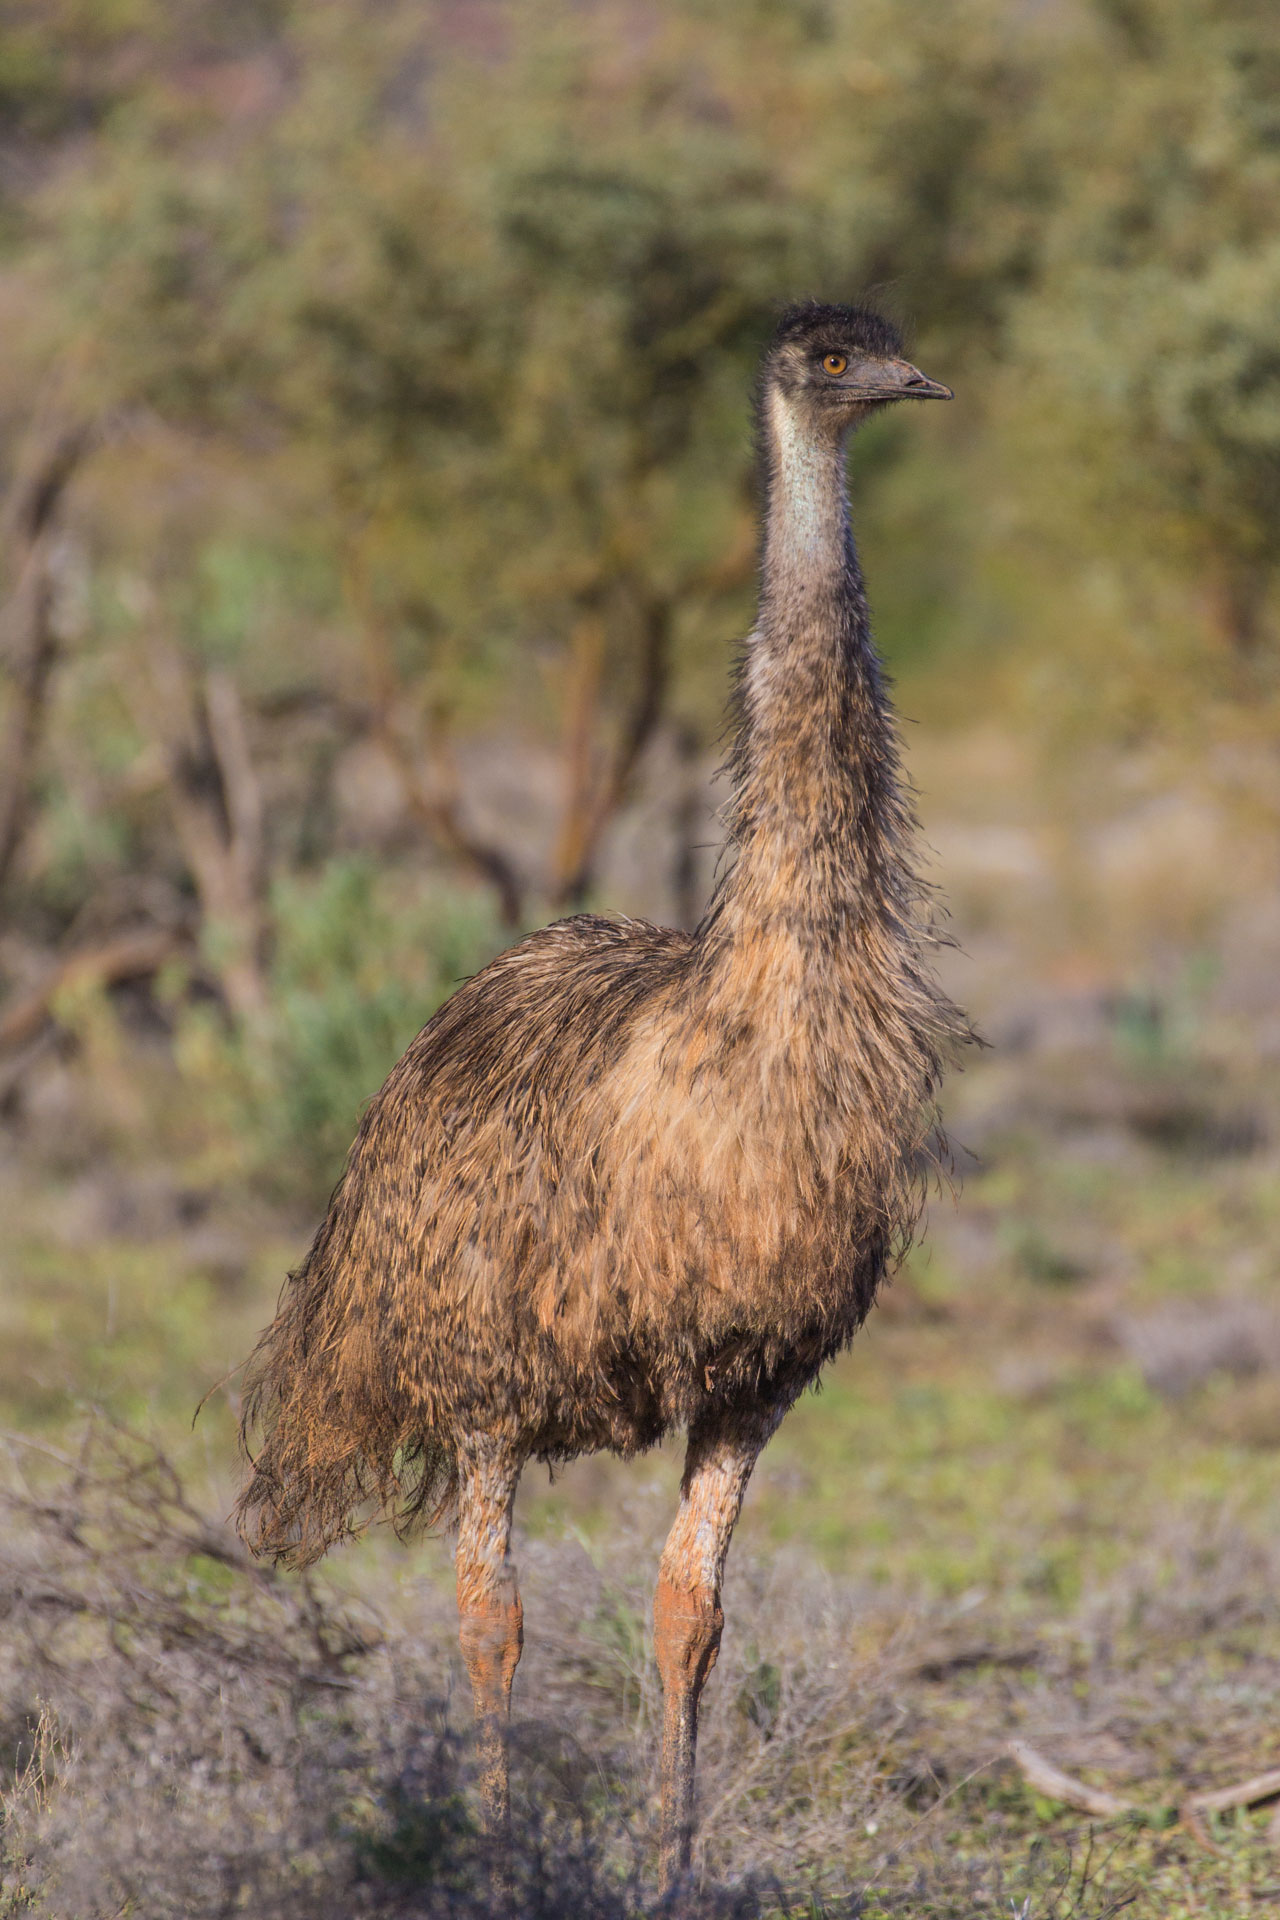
(574, 1216)
(463, 1278)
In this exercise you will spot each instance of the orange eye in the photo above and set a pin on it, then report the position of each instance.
(835, 363)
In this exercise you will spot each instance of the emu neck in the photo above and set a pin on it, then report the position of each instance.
(808, 544)
(817, 807)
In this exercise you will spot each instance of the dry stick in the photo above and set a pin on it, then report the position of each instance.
(217, 812)
(437, 803)
(26, 631)
(129, 956)
(11, 1439)
(1051, 1781)
(590, 811)
(1262, 1786)
(581, 706)
(1247, 1793)
(1056, 1785)
(1190, 1821)
(433, 797)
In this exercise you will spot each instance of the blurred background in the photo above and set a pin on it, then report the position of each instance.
(378, 523)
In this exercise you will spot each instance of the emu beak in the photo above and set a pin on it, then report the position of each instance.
(905, 382)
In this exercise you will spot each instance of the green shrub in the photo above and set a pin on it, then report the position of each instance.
(360, 963)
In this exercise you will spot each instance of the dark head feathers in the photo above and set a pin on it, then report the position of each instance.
(838, 328)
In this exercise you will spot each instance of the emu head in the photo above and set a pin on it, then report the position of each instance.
(833, 365)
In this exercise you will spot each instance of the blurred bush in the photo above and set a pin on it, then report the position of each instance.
(375, 383)
(358, 966)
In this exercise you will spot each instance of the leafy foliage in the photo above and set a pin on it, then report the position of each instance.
(355, 972)
(447, 325)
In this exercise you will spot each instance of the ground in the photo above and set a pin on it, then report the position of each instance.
(1035, 1501)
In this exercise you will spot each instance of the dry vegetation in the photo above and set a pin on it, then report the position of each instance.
(376, 528)
(1034, 1504)
(192, 1736)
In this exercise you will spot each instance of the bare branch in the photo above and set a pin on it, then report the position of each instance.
(129, 956)
(586, 667)
(37, 491)
(434, 798)
(217, 811)
(26, 630)
(241, 792)
(432, 789)
(1056, 1785)
(1247, 1793)
(593, 804)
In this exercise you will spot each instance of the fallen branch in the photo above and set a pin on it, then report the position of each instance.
(1261, 1786)
(1246, 1793)
(1056, 1785)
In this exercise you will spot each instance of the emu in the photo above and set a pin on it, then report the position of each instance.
(629, 1179)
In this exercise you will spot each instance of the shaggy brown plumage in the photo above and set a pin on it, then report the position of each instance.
(628, 1178)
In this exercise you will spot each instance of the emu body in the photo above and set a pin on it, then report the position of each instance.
(629, 1179)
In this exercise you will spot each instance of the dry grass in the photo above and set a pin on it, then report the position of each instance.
(189, 1735)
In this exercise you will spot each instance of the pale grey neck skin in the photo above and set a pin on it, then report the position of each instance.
(808, 542)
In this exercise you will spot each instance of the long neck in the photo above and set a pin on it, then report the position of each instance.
(819, 819)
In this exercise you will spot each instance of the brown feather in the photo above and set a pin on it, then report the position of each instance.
(626, 1176)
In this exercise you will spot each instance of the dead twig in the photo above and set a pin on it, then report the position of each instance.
(1246, 1793)
(26, 619)
(592, 803)
(1056, 1785)
(128, 956)
(435, 800)
(216, 802)
(431, 787)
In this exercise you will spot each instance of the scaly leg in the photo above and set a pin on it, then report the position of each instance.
(491, 1619)
(687, 1617)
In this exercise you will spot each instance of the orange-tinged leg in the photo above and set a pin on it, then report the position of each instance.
(491, 1619)
(687, 1616)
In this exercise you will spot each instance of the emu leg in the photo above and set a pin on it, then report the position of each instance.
(687, 1616)
(491, 1618)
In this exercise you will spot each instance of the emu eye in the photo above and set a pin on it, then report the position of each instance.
(835, 363)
